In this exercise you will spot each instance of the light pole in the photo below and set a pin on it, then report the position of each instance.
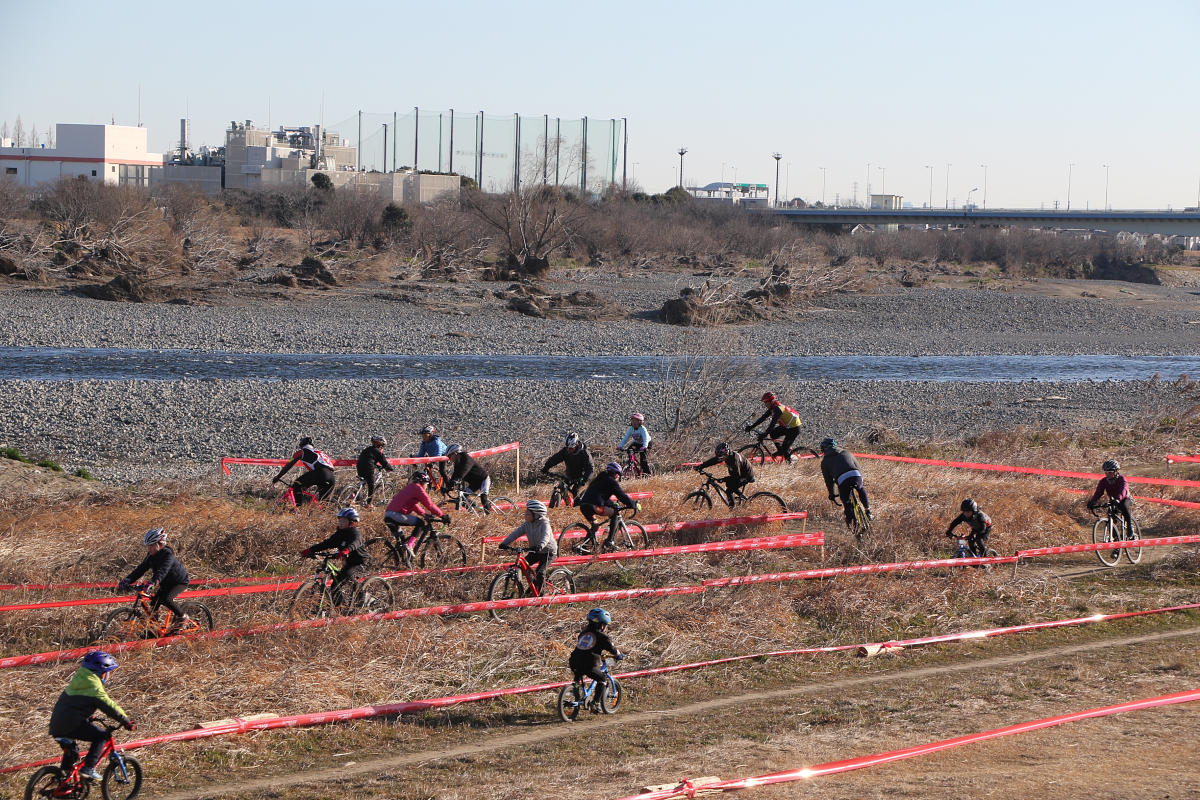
(682, 150)
(883, 188)
(1070, 168)
(787, 179)
(984, 184)
(967, 207)
(948, 165)
(1106, 208)
(777, 156)
(867, 204)
(823, 186)
(929, 205)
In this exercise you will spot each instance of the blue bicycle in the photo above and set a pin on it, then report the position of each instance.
(577, 695)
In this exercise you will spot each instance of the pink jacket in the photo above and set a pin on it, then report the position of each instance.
(1117, 489)
(413, 497)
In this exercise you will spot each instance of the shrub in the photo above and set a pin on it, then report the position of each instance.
(12, 453)
(84, 473)
(53, 466)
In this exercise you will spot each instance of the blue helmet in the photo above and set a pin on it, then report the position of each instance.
(348, 513)
(598, 616)
(613, 467)
(99, 662)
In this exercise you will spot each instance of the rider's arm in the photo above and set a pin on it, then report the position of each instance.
(959, 520)
(827, 473)
(759, 421)
(621, 495)
(626, 438)
(517, 533)
(710, 462)
(287, 466)
(138, 570)
(88, 684)
(426, 502)
(1122, 488)
(555, 460)
(1097, 494)
(382, 461)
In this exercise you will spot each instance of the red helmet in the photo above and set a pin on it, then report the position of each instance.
(768, 398)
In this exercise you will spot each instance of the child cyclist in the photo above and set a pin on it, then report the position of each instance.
(740, 471)
(411, 498)
(637, 434)
(71, 718)
(542, 547)
(597, 499)
(167, 576)
(347, 540)
(370, 458)
(1116, 487)
(980, 524)
(588, 655)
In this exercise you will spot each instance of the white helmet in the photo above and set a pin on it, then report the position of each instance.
(536, 507)
(155, 536)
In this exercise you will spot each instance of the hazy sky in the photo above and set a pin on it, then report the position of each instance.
(1024, 87)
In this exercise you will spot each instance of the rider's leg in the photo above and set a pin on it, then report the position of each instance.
(599, 686)
(70, 754)
(394, 520)
(978, 544)
(165, 597)
(862, 495)
(844, 490)
(539, 561)
(644, 455)
(344, 583)
(1126, 509)
(91, 732)
(789, 439)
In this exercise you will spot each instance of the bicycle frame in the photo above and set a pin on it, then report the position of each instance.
(146, 614)
(521, 568)
(108, 751)
(714, 483)
(288, 498)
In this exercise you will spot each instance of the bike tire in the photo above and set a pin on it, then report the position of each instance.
(765, 503)
(120, 625)
(755, 451)
(1134, 554)
(509, 511)
(505, 586)
(569, 704)
(861, 524)
(118, 784)
(311, 600)
(199, 613)
(698, 500)
(567, 539)
(632, 536)
(614, 693)
(560, 580)
(373, 596)
(1102, 534)
(43, 782)
(349, 496)
(442, 550)
(383, 552)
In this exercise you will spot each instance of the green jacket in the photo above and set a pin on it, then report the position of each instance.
(84, 695)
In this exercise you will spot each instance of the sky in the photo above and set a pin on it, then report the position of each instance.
(881, 92)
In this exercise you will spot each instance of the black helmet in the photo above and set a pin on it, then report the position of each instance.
(1111, 465)
(722, 449)
(305, 441)
(419, 477)
(969, 506)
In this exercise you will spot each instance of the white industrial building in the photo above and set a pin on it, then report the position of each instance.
(114, 154)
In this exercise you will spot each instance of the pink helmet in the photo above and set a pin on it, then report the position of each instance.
(638, 416)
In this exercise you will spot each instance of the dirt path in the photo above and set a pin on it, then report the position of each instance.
(505, 739)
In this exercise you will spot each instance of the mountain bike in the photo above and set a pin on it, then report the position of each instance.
(317, 596)
(759, 502)
(517, 581)
(467, 500)
(121, 779)
(295, 498)
(140, 620)
(765, 448)
(963, 550)
(433, 549)
(631, 456)
(563, 492)
(1111, 528)
(354, 495)
(577, 695)
(622, 535)
(860, 520)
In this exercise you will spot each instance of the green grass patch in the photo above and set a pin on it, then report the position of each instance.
(13, 453)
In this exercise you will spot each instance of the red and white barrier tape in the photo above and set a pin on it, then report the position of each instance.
(699, 524)
(1172, 459)
(858, 569)
(349, 462)
(1162, 541)
(686, 789)
(1165, 501)
(1059, 473)
(241, 726)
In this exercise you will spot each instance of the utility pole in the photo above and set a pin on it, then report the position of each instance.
(682, 151)
(452, 141)
(948, 165)
(1105, 187)
(777, 156)
(1070, 167)
(929, 204)
(624, 153)
(822, 186)
(984, 184)
(385, 147)
(416, 131)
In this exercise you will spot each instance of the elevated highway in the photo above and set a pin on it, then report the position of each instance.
(1183, 223)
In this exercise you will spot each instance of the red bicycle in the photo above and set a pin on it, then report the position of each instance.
(517, 581)
(295, 498)
(121, 779)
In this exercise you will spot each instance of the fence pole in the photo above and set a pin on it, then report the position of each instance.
(451, 170)
(416, 131)
(518, 468)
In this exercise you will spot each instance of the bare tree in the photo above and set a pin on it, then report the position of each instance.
(353, 215)
(34, 136)
(4, 130)
(18, 131)
(201, 228)
(532, 224)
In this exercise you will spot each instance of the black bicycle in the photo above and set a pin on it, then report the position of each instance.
(622, 535)
(563, 491)
(765, 448)
(433, 549)
(759, 502)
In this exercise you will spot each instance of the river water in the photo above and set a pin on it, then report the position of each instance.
(114, 364)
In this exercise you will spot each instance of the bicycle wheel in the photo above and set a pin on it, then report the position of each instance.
(765, 503)
(443, 550)
(560, 581)
(861, 525)
(1102, 533)
(505, 586)
(43, 782)
(632, 536)
(349, 495)
(373, 596)
(311, 600)
(755, 451)
(568, 706)
(199, 614)
(121, 625)
(610, 701)
(504, 508)
(1134, 554)
(573, 536)
(698, 500)
(383, 552)
(121, 782)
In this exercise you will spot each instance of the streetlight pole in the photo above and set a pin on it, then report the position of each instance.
(777, 156)
(948, 165)
(1106, 208)
(929, 205)
(823, 187)
(883, 189)
(984, 184)
(682, 150)
(868, 198)
(1070, 168)
(967, 207)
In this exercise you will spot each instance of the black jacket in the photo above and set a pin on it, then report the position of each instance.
(602, 487)
(350, 539)
(579, 466)
(368, 458)
(469, 471)
(590, 648)
(737, 465)
(165, 569)
(836, 464)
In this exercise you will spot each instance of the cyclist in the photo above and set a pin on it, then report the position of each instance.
(980, 524)
(542, 547)
(71, 718)
(576, 461)
(347, 540)
(1116, 487)
(370, 458)
(319, 466)
(597, 499)
(840, 469)
(637, 434)
(431, 447)
(167, 576)
(412, 497)
(740, 471)
(469, 472)
(588, 655)
(785, 422)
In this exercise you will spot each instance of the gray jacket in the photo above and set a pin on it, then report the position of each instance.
(538, 534)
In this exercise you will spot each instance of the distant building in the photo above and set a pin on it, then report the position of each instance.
(887, 202)
(747, 194)
(113, 154)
